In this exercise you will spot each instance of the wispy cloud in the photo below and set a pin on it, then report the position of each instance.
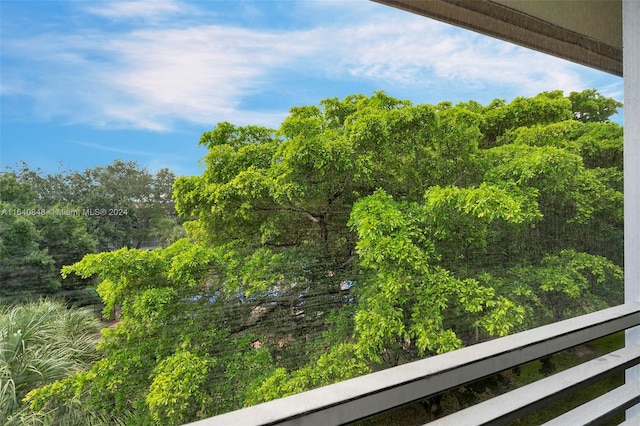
(118, 150)
(152, 77)
(139, 9)
(419, 51)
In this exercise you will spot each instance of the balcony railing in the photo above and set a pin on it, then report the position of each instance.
(368, 395)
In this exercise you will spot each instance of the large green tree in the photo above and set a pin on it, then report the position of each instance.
(172, 358)
(360, 234)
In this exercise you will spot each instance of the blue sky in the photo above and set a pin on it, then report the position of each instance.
(85, 82)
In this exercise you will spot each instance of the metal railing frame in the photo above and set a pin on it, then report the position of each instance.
(373, 393)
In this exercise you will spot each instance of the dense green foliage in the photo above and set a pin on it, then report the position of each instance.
(48, 221)
(363, 233)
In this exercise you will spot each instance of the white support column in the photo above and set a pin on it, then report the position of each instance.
(631, 75)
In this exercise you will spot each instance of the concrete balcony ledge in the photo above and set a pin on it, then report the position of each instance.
(373, 393)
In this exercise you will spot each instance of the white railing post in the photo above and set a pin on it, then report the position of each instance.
(631, 75)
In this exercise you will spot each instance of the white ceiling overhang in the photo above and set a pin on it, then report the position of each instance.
(588, 32)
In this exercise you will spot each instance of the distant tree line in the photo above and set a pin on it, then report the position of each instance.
(51, 220)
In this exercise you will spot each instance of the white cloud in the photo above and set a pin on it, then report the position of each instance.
(152, 77)
(196, 73)
(148, 78)
(421, 51)
(140, 9)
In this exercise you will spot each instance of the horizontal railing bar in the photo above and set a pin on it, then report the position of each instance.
(376, 392)
(602, 408)
(524, 400)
